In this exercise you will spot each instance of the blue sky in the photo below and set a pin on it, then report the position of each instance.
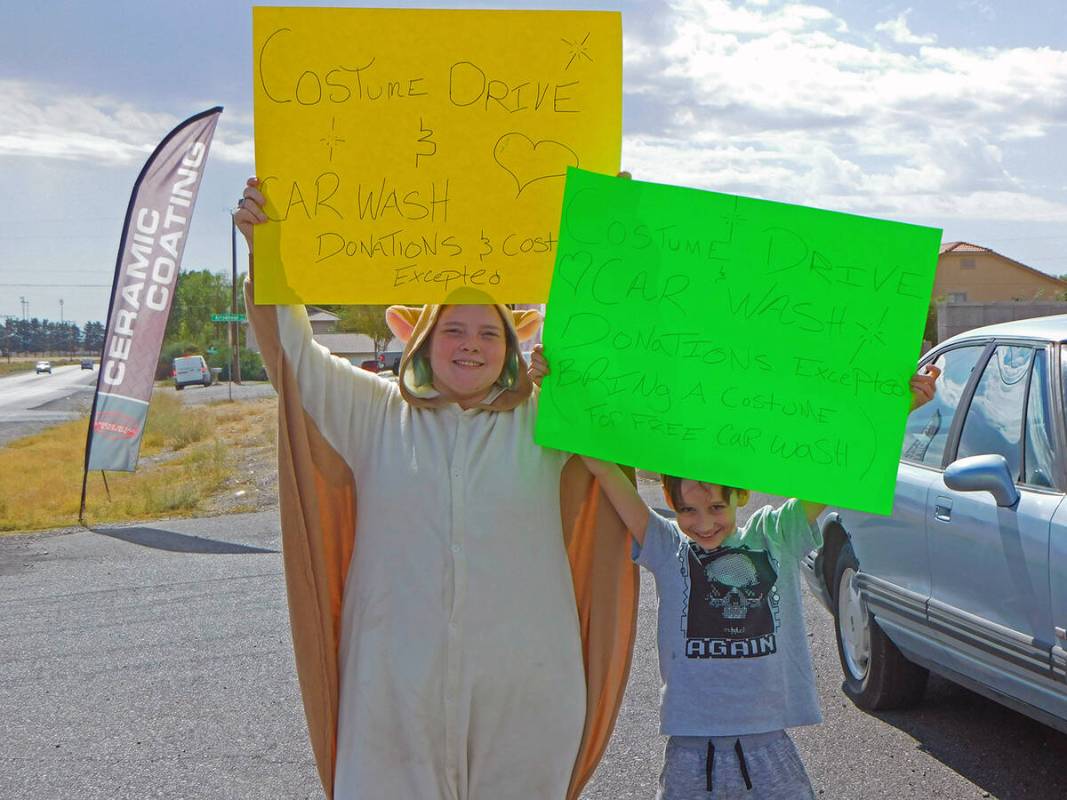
(950, 113)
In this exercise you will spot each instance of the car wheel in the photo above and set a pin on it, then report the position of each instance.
(178, 387)
(877, 676)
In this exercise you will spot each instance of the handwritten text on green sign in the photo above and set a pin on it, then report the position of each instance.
(739, 341)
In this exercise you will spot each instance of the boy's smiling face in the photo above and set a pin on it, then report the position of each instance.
(706, 515)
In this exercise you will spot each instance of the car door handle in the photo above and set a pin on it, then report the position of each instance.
(943, 509)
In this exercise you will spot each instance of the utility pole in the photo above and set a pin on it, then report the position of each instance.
(235, 327)
(61, 311)
(25, 306)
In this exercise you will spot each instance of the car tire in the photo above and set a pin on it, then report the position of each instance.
(877, 676)
(178, 387)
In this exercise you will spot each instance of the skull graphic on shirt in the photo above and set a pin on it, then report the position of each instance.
(730, 591)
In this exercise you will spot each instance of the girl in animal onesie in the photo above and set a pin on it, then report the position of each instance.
(460, 631)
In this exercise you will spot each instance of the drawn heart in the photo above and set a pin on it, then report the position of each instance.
(527, 161)
(572, 267)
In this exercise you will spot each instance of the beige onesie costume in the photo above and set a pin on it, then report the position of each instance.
(460, 633)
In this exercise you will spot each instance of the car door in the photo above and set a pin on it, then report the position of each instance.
(1058, 582)
(990, 595)
(893, 552)
(1058, 575)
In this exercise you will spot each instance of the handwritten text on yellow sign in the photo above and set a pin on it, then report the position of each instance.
(406, 154)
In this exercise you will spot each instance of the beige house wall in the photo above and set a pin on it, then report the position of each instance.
(992, 278)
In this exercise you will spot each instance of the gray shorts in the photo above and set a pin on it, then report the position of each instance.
(763, 766)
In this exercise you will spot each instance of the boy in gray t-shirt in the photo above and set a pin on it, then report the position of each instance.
(733, 653)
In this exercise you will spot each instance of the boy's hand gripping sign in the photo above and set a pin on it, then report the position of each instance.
(405, 154)
(738, 341)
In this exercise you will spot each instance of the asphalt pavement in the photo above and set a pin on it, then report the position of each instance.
(155, 661)
(30, 402)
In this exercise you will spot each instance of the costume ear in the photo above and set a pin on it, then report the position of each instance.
(527, 323)
(401, 321)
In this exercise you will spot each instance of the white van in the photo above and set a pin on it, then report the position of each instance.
(189, 370)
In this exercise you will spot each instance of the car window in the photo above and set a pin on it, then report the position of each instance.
(994, 418)
(927, 428)
(1037, 451)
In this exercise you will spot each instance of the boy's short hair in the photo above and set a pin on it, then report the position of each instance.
(672, 488)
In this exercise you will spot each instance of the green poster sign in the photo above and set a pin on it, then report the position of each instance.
(228, 316)
(755, 344)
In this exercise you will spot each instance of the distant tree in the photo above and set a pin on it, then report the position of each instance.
(93, 337)
(8, 338)
(930, 331)
(368, 320)
(198, 295)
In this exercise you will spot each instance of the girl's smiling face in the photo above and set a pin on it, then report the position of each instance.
(706, 515)
(467, 351)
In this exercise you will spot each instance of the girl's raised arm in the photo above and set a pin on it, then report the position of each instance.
(344, 401)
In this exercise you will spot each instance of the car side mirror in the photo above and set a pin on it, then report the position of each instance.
(986, 473)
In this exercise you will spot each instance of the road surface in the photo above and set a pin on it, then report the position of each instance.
(23, 394)
(31, 402)
(154, 661)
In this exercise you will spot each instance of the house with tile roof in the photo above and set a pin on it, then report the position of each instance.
(970, 273)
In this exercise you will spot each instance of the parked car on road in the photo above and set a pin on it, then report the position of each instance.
(390, 360)
(190, 371)
(87, 363)
(968, 577)
(44, 366)
(371, 365)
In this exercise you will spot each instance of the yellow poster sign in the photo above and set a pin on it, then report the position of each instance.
(408, 154)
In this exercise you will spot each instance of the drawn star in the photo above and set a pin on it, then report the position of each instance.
(578, 50)
(873, 333)
(333, 140)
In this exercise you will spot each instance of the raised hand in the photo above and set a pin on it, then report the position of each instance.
(250, 210)
(538, 364)
(923, 386)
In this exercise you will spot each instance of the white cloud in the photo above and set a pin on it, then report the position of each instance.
(900, 33)
(789, 104)
(40, 122)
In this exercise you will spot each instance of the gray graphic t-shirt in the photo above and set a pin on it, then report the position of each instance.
(733, 652)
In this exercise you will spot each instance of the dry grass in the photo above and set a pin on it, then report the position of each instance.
(188, 459)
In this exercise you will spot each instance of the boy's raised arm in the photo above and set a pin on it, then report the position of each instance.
(923, 386)
(621, 493)
(623, 496)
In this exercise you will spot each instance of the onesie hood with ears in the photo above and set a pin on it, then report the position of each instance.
(413, 325)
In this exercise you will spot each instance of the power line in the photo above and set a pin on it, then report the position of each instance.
(57, 219)
(60, 286)
(53, 236)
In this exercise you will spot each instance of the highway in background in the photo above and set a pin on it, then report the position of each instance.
(22, 395)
